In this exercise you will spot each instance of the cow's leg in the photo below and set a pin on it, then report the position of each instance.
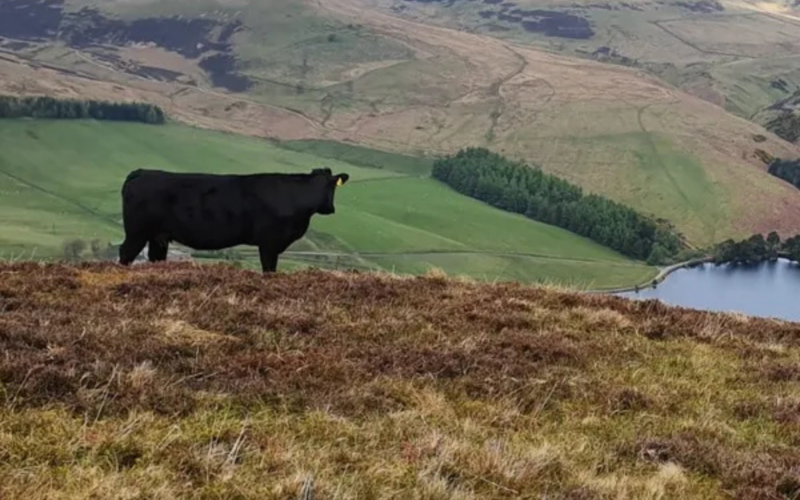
(269, 259)
(274, 263)
(130, 249)
(157, 249)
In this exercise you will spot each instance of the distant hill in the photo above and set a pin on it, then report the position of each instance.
(742, 55)
(358, 71)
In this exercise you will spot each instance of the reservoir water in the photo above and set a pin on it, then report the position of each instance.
(769, 289)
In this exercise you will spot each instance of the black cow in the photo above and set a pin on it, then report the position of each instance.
(212, 212)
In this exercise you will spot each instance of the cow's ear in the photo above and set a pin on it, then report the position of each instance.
(341, 179)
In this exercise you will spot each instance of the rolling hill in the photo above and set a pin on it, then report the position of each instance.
(61, 180)
(741, 55)
(182, 381)
(361, 71)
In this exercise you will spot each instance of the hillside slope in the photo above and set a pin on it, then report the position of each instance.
(61, 180)
(340, 69)
(739, 54)
(178, 381)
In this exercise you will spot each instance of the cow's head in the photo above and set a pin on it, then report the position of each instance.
(324, 178)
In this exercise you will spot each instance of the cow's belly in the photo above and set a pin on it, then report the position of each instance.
(205, 243)
(208, 233)
(208, 238)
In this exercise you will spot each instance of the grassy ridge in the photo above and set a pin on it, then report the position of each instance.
(376, 387)
(63, 180)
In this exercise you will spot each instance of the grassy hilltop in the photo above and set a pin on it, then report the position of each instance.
(178, 381)
(61, 180)
(357, 70)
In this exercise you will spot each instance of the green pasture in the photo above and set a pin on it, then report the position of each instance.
(61, 180)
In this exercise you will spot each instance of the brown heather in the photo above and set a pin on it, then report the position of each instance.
(181, 381)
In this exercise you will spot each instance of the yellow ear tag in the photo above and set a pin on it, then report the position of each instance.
(339, 181)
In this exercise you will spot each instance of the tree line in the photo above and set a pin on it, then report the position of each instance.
(756, 249)
(788, 170)
(516, 187)
(73, 109)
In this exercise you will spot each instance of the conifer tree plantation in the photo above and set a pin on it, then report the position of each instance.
(757, 249)
(519, 188)
(44, 107)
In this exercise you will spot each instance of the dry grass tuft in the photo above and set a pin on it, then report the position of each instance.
(173, 380)
(179, 332)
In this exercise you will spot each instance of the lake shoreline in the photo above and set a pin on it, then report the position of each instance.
(765, 288)
(666, 271)
(660, 277)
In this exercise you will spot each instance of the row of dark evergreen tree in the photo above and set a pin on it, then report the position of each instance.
(757, 249)
(516, 187)
(49, 107)
(788, 170)
(791, 248)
